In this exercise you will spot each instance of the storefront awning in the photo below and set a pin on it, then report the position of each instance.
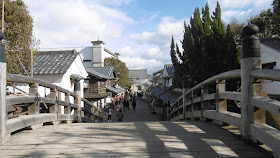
(171, 96)
(97, 95)
(115, 90)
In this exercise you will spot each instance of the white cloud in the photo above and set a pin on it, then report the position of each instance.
(240, 9)
(128, 51)
(157, 44)
(139, 63)
(75, 23)
(239, 3)
(115, 2)
(167, 28)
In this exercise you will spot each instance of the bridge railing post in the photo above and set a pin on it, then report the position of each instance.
(77, 90)
(34, 109)
(67, 109)
(221, 105)
(3, 109)
(251, 59)
(203, 91)
(53, 108)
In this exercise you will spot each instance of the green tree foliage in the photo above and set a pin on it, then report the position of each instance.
(120, 69)
(18, 26)
(237, 30)
(176, 63)
(269, 21)
(208, 49)
(276, 16)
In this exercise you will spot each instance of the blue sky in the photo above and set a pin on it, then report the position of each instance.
(140, 30)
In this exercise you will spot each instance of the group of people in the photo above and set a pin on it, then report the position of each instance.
(126, 104)
(119, 115)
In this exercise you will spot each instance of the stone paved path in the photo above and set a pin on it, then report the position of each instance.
(143, 112)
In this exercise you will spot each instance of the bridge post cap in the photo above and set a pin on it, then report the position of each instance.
(250, 30)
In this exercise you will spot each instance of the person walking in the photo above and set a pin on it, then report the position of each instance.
(127, 105)
(120, 115)
(124, 105)
(134, 104)
(110, 115)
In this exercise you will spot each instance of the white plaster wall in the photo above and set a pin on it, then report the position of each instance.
(22, 86)
(270, 55)
(109, 99)
(168, 82)
(64, 81)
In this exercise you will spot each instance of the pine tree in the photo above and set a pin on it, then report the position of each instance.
(208, 39)
(197, 57)
(178, 68)
(207, 48)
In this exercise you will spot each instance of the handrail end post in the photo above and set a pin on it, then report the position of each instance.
(3, 81)
(251, 59)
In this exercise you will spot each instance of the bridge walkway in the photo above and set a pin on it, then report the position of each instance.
(140, 138)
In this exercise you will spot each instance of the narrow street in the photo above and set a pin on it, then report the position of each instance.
(143, 112)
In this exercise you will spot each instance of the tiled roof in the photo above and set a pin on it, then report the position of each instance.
(101, 72)
(170, 70)
(271, 42)
(142, 73)
(158, 91)
(157, 72)
(171, 96)
(54, 62)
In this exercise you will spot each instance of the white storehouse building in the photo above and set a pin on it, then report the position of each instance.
(270, 54)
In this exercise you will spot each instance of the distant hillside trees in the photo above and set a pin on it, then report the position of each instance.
(269, 21)
(208, 49)
(18, 25)
(120, 69)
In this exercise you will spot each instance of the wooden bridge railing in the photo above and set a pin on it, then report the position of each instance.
(40, 109)
(253, 100)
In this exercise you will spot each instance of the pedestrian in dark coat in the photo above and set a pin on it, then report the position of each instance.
(120, 115)
(134, 104)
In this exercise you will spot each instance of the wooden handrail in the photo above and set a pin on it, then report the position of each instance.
(33, 99)
(222, 76)
(268, 74)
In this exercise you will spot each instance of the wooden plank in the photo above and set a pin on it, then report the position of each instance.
(25, 79)
(267, 104)
(267, 135)
(231, 95)
(195, 114)
(28, 120)
(27, 99)
(268, 74)
(222, 76)
(130, 139)
(65, 117)
(225, 116)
